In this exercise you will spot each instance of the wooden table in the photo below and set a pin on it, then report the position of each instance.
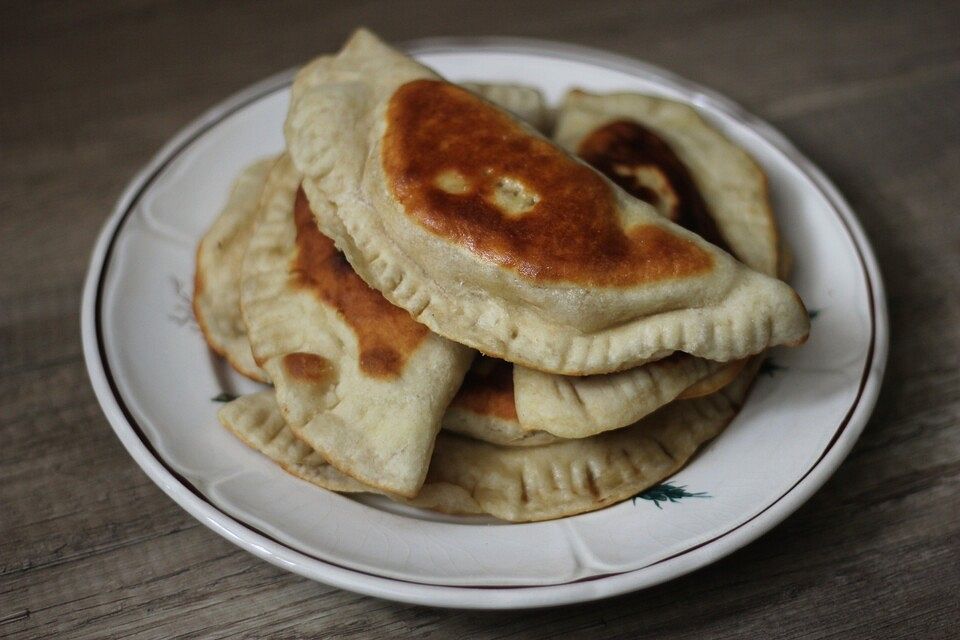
(89, 547)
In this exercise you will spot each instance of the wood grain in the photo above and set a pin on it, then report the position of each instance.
(90, 548)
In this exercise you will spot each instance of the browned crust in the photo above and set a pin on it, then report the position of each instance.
(387, 335)
(487, 389)
(568, 232)
(621, 148)
(308, 367)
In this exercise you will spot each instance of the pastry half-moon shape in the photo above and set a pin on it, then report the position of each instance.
(484, 405)
(496, 238)
(663, 153)
(521, 484)
(356, 378)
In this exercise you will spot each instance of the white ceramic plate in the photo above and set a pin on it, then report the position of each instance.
(156, 380)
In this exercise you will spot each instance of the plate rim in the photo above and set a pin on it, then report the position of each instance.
(280, 554)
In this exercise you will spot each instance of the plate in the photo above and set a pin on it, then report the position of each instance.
(159, 385)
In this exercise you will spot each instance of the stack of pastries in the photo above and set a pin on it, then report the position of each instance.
(461, 313)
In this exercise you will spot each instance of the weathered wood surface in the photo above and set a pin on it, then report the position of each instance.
(90, 548)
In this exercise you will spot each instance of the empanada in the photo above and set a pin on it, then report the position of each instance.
(495, 238)
(356, 377)
(664, 153)
(522, 484)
